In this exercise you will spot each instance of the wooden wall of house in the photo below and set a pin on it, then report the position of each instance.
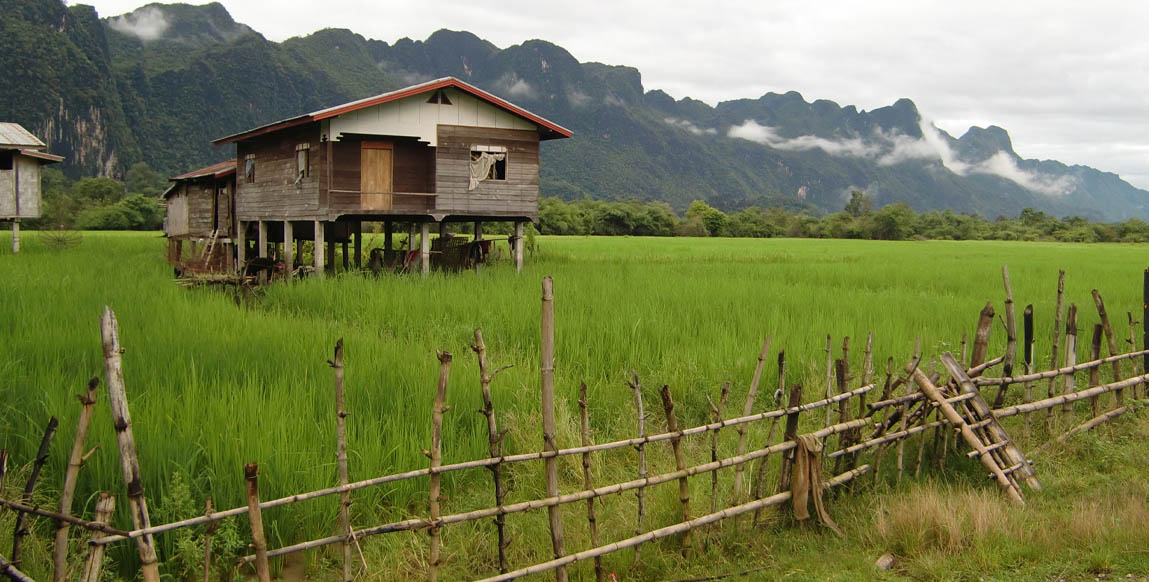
(29, 170)
(414, 167)
(201, 199)
(518, 195)
(275, 195)
(176, 217)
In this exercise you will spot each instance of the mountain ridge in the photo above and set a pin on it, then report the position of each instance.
(178, 76)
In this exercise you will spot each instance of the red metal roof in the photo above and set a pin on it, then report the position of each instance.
(549, 129)
(216, 170)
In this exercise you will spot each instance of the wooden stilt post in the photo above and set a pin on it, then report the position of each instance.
(262, 239)
(19, 531)
(358, 244)
(1095, 372)
(1111, 340)
(425, 249)
(1070, 360)
(1056, 345)
(679, 461)
(341, 458)
(129, 462)
(494, 440)
(716, 411)
(94, 563)
(478, 237)
(75, 461)
(319, 244)
(288, 247)
(346, 256)
(519, 249)
(639, 493)
(747, 410)
(255, 517)
(411, 235)
(436, 454)
(588, 479)
(547, 383)
(240, 245)
(388, 235)
(1011, 338)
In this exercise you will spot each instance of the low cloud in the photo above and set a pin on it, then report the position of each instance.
(892, 148)
(515, 87)
(684, 124)
(147, 24)
(577, 98)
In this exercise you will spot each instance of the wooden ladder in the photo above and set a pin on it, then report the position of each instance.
(210, 248)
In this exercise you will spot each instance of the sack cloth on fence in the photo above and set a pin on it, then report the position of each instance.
(807, 475)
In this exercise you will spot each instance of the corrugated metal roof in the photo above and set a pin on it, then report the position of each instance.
(550, 129)
(220, 169)
(44, 157)
(13, 134)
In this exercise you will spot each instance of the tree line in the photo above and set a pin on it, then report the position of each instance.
(857, 220)
(101, 203)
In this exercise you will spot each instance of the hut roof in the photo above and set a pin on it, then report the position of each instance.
(549, 129)
(14, 136)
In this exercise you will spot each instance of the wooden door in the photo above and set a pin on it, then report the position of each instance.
(375, 173)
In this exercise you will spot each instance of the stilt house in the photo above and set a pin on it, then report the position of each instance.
(201, 212)
(439, 152)
(21, 155)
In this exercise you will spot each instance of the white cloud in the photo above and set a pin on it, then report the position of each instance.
(766, 135)
(147, 24)
(516, 88)
(1004, 165)
(577, 98)
(688, 126)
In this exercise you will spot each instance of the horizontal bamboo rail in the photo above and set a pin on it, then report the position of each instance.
(1065, 398)
(893, 436)
(11, 572)
(912, 397)
(1087, 425)
(1058, 372)
(487, 462)
(978, 369)
(35, 510)
(669, 530)
(424, 523)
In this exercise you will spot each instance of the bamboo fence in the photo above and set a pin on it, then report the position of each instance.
(909, 405)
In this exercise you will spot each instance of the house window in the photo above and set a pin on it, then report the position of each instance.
(6, 160)
(249, 168)
(302, 161)
(487, 163)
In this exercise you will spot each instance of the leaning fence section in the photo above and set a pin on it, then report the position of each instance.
(941, 404)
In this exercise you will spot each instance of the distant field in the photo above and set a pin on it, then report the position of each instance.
(214, 381)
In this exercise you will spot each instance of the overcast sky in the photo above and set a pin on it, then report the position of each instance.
(1068, 80)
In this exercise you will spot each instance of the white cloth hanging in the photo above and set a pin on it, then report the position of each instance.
(481, 167)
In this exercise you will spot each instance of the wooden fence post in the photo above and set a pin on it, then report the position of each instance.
(255, 517)
(75, 461)
(94, 564)
(1070, 360)
(494, 441)
(1056, 346)
(829, 376)
(19, 531)
(1140, 388)
(790, 434)
(747, 410)
(981, 337)
(547, 384)
(208, 530)
(436, 455)
(1111, 339)
(1011, 337)
(679, 461)
(1095, 371)
(716, 410)
(129, 461)
(341, 458)
(587, 479)
(1027, 351)
(639, 493)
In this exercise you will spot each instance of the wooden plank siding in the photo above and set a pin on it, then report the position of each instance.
(517, 195)
(275, 195)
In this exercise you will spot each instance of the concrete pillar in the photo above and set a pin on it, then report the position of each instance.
(16, 232)
(288, 246)
(518, 247)
(411, 238)
(318, 249)
(425, 249)
(262, 239)
(240, 245)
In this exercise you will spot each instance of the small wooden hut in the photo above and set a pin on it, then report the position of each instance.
(200, 220)
(431, 154)
(21, 155)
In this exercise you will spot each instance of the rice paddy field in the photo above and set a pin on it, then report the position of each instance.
(216, 379)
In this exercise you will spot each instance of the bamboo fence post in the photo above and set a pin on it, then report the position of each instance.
(964, 351)
(494, 441)
(1070, 359)
(679, 461)
(791, 434)
(255, 517)
(547, 383)
(587, 483)
(886, 387)
(1132, 348)
(1056, 345)
(981, 337)
(19, 531)
(3, 468)
(1011, 337)
(901, 448)
(1095, 372)
(75, 461)
(129, 461)
(829, 375)
(747, 409)
(1111, 340)
(94, 563)
(639, 494)
(841, 371)
(436, 454)
(341, 458)
(717, 413)
(208, 531)
(1027, 355)
(1145, 330)
(760, 476)
(922, 443)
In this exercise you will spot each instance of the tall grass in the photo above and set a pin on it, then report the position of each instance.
(216, 380)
